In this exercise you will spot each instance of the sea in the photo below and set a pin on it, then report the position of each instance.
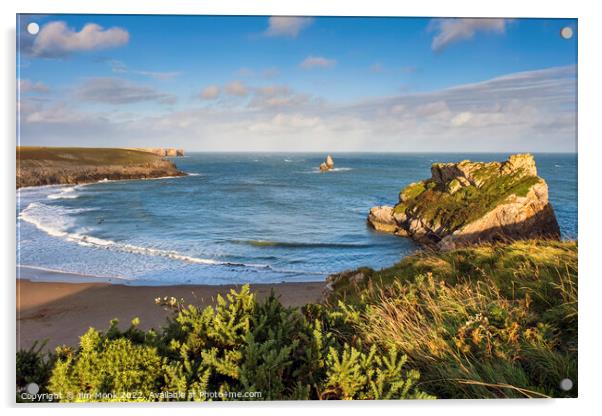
(240, 218)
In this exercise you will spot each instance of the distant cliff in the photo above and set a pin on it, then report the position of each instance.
(470, 202)
(162, 151)
(73, 165)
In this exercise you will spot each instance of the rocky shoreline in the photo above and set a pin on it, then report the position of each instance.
(469, 203)
(37, 166)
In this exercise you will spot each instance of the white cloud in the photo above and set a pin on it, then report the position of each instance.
(317, 62)
(261, 97)
(55, 39)
(26, 85)
(210, 92)
(454, 30)
(271, 96)
(398, 109)
(526, 111)
(287, 26)
(285, 123)
(237, 88)
(432, 109)
(161, 76)
(119, 91)
(120, 67)
(462, 118)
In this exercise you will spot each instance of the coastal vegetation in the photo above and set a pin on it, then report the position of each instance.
(74, 165)
(482, 322)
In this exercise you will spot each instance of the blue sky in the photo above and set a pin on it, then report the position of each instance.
(298, 84)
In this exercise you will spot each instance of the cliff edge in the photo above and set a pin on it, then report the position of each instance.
(472, 202)
(74, 165)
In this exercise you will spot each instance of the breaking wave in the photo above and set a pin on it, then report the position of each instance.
(57, 221)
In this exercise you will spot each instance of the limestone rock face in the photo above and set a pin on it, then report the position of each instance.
(327, 165)
(162, 151)
(381, 219)
(472, 202)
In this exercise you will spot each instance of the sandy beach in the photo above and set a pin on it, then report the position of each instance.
(61, 312)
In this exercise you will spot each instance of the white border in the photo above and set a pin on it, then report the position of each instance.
(590, 69)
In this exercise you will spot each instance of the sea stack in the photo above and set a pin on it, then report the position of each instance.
(469, 203)
(327, 165)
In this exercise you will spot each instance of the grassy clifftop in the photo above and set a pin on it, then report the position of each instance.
(488, 321)
(77, 156)
(73, 165)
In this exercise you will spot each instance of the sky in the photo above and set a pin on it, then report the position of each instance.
(274, 83)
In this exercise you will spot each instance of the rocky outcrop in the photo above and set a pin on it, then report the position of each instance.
(382, 218)
(472, 202)
(327, 165)
(72, 165)
(162, 151)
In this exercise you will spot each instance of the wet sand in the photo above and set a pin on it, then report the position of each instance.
(62, 312)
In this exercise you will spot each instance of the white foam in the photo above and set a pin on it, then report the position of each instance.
(317, 170)
(57, 221)
(53, 220)
(66, 193)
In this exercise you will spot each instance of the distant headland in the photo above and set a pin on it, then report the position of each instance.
(76, 165)
(161, 151)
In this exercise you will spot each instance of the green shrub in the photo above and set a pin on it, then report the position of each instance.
(239, 345)
(359, 375)
(109, 367)
(33, 366)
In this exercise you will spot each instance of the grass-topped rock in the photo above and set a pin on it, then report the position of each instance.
(471, 202)
(76, 165)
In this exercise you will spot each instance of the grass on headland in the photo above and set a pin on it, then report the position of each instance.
(88, 156)
(489, 321)
(484, 322)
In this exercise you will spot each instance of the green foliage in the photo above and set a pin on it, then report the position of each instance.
(366, 375)
(412, 191)
(489, 321)
(33, 366)
(108, 367)
(238, 346)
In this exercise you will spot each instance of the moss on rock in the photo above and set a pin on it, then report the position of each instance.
(488, 200)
